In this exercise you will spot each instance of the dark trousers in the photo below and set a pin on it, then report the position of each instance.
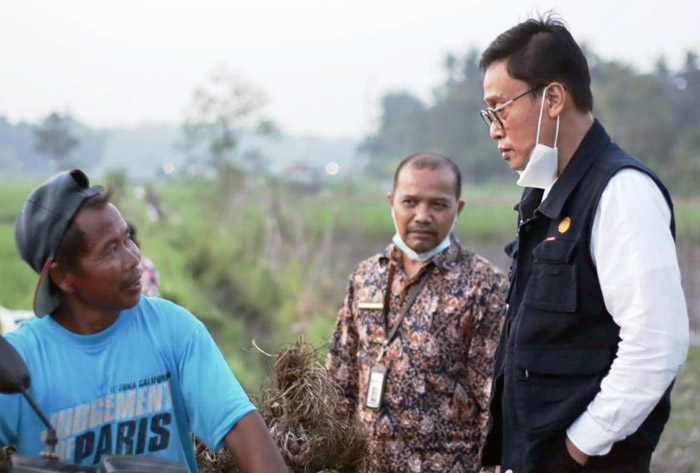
(625, 457)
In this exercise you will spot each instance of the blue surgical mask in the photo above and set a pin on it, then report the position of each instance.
(413, 255)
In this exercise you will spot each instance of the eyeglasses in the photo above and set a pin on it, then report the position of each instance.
(490, 115)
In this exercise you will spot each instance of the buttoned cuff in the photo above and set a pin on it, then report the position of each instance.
(589, 437)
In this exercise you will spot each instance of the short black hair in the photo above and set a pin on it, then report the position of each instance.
(539, 51)
(432, 161)
(74, 240)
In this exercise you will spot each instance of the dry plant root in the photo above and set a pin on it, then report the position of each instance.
(301, 411)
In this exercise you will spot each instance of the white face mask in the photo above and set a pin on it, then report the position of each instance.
(413, 255)
(541, 169)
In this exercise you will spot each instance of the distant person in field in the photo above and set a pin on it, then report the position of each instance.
(116, 372)
(597, 325)
(414, 342)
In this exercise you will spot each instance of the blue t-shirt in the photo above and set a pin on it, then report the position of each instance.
(138, 387)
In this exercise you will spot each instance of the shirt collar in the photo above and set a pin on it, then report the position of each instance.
(529, 201)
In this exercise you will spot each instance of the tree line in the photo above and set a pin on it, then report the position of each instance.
(655, 116)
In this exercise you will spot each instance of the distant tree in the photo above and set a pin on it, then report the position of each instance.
(401, 131)
(471, 71)
(219, 112)
(451, 69)
(450, 125)
(53, 138)
(455, 128)
(686, 142)
(661, 69)
(687, 83)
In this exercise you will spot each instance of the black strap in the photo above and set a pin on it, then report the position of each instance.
(411, 299)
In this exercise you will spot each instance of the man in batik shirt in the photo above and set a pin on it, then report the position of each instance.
(421, 386)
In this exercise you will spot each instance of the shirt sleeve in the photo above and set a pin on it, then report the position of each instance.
(488, 312)
(342, 354)
(635, 256)
(213, 397)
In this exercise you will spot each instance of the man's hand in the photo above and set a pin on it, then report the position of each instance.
(252, 448)
(580, 457)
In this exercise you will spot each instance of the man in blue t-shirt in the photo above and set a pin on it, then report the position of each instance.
(115, 372)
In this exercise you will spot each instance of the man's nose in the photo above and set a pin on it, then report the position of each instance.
(496, 131)
(422, 213)
(133, 257)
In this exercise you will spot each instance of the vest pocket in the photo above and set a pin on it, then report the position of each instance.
(552, 284)
(556, 401)
(561, 382)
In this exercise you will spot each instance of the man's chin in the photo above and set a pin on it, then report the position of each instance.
(130, 302)
(517, 167)
(421, 246)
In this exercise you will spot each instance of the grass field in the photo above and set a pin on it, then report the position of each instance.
(679, 449)
(270, 264)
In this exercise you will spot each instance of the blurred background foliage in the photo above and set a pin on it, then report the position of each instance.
(654, 116)
(262, 253)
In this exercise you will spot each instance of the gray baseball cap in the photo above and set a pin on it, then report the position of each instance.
(44, 219)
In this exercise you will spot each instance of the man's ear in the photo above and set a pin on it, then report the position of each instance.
(62, 278)
(556, 99)
(460, 206)
(390, 198)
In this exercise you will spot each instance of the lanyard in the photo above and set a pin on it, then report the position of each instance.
(409, 303)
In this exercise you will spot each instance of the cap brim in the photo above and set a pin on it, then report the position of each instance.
(44, 301)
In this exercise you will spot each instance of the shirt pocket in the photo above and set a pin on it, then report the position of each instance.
(552, 284)
(369, 322)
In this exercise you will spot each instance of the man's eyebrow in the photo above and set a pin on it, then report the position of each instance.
(430, 199)
(112, 239)
(492, 97)
(106, 243)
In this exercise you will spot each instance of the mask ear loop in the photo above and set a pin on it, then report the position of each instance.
(539, 121)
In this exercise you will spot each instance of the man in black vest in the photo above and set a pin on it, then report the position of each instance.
(597, 325)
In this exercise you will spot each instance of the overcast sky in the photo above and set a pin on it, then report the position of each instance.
(324, 64)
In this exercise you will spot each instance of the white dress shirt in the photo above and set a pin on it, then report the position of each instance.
(635, 255)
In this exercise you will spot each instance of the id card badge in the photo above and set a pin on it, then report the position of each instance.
(375, 386)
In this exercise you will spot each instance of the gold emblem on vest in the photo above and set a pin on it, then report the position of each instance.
(564, 225)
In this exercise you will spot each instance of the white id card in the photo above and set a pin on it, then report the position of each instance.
(375, 386)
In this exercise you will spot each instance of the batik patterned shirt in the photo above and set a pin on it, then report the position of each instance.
(435, 407)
